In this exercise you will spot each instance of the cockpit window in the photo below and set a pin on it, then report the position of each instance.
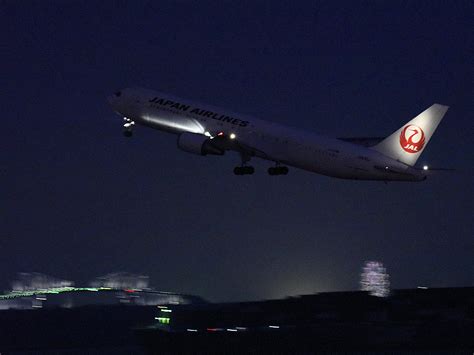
(118, 93)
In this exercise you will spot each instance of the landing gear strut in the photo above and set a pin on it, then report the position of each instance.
(278, 170)
(127, 127)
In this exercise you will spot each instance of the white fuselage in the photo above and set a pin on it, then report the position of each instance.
(270, 141)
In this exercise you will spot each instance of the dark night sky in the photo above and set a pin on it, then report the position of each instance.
(78, 200)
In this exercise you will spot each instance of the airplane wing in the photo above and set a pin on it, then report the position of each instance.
(245, 149)
(250, 149)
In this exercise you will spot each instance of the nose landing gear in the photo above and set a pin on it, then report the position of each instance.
(127, 127)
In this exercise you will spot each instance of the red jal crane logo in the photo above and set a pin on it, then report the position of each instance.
(412, 139)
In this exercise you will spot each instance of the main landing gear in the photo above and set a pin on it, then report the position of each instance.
(249, 170)
(278, 170)
(244, 169)
(127, 127)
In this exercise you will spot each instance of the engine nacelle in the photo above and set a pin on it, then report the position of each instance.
(197, 144)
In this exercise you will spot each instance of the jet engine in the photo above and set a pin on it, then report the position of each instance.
(198, 144)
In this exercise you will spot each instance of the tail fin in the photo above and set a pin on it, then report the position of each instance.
(407, 143)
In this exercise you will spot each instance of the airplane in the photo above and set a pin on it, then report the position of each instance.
(208, 130)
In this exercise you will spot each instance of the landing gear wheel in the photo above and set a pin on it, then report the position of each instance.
(249, 170)
(244, 170)
(278, 170)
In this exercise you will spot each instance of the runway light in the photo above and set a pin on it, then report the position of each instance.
(191, 330)
(274, 326)
(425, 167)
(163, 320)
(167, 310)
(231, 330)
(232, 136)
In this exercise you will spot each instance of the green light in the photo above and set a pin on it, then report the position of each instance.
(163, 320)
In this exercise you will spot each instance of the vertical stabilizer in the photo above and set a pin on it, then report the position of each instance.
(407, 143)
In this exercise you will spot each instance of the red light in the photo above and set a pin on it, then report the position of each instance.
(212, 329)
(130, 291)
(220, 133)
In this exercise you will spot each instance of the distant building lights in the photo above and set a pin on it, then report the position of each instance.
(374, 279)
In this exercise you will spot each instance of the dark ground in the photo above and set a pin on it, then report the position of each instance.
(434, 320)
